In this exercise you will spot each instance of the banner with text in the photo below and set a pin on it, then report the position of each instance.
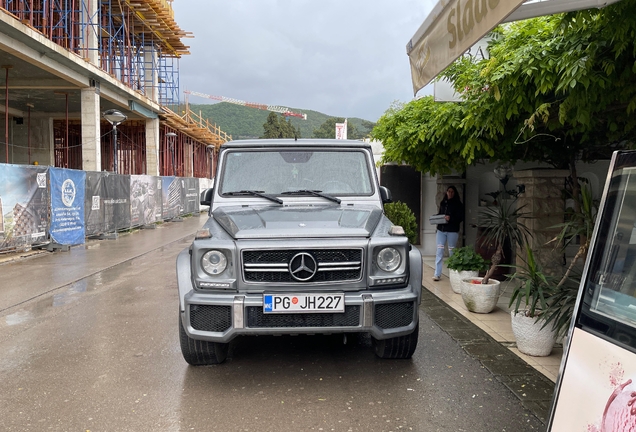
(190, 192)
(67, 206)
(93, 204)
(116, 202)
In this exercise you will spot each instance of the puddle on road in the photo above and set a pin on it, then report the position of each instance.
(19, 317)
(39, 307)
(71, 294)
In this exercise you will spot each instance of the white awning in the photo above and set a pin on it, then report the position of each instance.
(453, 26)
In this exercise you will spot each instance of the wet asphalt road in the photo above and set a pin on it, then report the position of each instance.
(102, 354)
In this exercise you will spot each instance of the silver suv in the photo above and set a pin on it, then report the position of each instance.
(297, 242)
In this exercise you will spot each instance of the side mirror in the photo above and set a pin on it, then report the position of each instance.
(206, 197)
(385, 194)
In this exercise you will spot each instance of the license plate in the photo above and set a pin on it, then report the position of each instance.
(301, 303)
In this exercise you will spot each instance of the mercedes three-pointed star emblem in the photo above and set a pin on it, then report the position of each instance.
(303, 266)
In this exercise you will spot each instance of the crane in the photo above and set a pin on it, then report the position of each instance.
(275, 108)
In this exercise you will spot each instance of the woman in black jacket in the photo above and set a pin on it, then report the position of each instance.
(453, 209)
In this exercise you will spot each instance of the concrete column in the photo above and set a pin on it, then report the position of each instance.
(151, 79)
(429, 207)
(152, 147)
(90, 31)
(91, 149)
(544, 203)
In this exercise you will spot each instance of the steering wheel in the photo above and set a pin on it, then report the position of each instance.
(335, 186)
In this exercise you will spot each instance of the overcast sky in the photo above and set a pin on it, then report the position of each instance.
(344, 58)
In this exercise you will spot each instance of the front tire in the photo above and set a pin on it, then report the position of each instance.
(401, 347)
(201, 353)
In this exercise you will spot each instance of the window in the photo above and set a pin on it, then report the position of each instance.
(273, 172)
(609, 302)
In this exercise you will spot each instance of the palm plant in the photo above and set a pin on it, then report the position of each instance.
(536, 289)
(579, 224)
(501, 223)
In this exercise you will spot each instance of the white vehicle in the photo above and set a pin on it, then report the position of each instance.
(596, 388)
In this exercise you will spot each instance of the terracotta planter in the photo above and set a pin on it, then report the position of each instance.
(531, 338)
(457, 276)
(478, 297)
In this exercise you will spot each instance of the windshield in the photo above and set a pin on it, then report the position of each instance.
(275, 172)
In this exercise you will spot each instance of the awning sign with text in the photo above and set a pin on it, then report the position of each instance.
(457, 26)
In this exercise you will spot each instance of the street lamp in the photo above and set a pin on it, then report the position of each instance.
(172, 135)
(114, 117)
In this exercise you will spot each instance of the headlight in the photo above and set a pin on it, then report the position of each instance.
(389, 259)
(214, 262)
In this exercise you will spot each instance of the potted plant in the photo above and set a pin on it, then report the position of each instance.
(465, 262)
(500, 225)
(580, 224)
(536, 291)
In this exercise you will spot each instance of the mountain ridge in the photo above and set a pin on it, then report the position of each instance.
(243, 122)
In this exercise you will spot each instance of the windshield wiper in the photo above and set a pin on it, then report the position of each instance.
(312, 192)
(254, 193)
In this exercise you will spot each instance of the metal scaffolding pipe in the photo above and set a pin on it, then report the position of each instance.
(6, 112)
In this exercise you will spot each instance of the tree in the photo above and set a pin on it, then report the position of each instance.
(556, 89)
(328, 129)
(275, 127)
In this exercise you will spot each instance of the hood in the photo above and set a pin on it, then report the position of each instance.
(306, 222)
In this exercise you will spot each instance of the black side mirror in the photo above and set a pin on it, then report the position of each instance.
(206, 197)
(385, 194)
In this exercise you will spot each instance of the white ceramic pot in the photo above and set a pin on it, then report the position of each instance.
(478, 297)
(531, 338)
(457, 276)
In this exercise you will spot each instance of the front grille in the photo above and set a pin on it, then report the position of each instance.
(257, 319)
(333, 265)
(210, 318)
(392, 315)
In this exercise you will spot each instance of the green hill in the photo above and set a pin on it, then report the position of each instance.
(243, 122)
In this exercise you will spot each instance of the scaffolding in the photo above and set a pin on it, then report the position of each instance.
(137, 41)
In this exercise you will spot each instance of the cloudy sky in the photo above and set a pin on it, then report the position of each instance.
(344, 58)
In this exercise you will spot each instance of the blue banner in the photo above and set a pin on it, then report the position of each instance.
(67, 206)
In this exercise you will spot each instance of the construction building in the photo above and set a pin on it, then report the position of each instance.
(64, 63)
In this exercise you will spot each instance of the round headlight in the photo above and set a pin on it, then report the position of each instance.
(214, 262)
(389, 259)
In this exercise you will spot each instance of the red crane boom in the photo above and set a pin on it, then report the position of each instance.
(275, 108)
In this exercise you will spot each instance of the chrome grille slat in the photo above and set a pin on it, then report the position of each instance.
(338, 268)
(333, 265)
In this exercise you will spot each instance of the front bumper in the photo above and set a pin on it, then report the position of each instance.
(220, 316)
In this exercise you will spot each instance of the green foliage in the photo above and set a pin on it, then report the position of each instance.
(542, 297)
(243, 122)
(400, 214)
(533, 287)
(328, 129)
(556, 89)
(501, 223)
(277, 127)
(466, 259)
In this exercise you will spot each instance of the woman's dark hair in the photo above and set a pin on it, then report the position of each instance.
(455, 196)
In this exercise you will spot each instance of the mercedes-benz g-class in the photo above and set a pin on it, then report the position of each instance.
(297, 243)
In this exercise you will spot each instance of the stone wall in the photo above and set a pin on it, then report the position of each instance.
(544, 204)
